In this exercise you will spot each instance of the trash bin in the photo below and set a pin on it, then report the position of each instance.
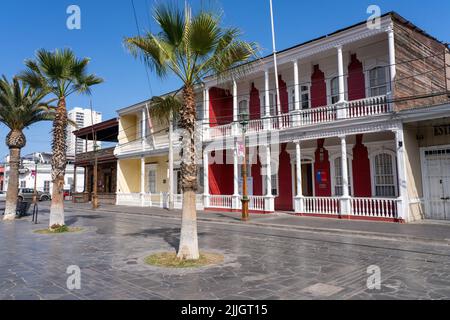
(22, 208)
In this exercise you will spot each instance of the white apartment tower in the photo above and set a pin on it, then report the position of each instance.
(83, 118)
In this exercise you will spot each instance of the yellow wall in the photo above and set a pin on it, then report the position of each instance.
(161, 173)
(129, 176)
(128, 128)
(413, 172)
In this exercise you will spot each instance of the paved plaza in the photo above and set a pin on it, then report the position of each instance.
(272, 257)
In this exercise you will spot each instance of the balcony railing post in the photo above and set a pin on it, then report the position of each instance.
(342, 110)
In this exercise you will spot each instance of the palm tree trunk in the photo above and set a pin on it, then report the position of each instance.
(58, 164)
(13, 184)
(188, 249)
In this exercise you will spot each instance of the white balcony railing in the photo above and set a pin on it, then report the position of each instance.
(348, 110)
(374, 207)
(256, 203)
(128, 199)
(322, 205)
(221, 201)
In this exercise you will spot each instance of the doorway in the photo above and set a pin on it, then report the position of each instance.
(436, 182)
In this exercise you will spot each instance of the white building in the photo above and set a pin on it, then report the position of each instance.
(82, 117)
(44, 176)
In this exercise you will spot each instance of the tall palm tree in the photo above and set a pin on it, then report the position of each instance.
(20, 107)
(62, 74)
(191, 47)
(165, 110)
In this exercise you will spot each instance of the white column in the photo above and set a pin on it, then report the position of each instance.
(296, 86)
(403, 204)
(298, 165)
(206, 105)
(392, 62)
(269, 203)
(267, 121)
(206, 102)
(341, 74)
(235, 109)
(206, 179)
(342, 110)
(142, 180)
(236, 197)
(143, 127)
(345, 201)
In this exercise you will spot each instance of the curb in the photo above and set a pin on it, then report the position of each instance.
(362, 234)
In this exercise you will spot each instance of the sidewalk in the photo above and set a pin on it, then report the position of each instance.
(424, 231)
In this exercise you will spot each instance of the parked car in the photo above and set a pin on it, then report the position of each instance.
(2, 195)
(26, 194)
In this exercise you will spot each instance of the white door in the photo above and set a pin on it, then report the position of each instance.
(437, 184)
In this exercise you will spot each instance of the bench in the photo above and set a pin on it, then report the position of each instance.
(22, 208)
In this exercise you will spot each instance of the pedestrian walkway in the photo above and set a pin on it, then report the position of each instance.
(433, 231)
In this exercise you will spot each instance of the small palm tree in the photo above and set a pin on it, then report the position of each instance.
(62, 74)
(191, 47)
(20, 107)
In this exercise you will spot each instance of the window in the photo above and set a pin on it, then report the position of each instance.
(199, 111)
(46, 186)
(243, 107)
(273, 104)
(334, 85)
(152, 181)
(304, 98)
(275, 185)
(384, 179)
(23, 184)
(304, 94)
(338, 181)
(377, 81)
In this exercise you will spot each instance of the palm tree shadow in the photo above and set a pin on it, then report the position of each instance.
(170, 235)
(72, 220)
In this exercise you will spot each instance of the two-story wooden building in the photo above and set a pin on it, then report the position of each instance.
(358, 128)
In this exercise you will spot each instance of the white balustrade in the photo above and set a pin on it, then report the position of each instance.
(256, 203)
(220, 201)
(374, 207)
(129, 199)
(368, 107)
(321, 205)
(354, 109)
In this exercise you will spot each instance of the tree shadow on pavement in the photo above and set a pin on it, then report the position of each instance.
(169, 235)
(71, 220)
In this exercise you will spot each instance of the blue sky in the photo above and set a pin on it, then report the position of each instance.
(26, 26)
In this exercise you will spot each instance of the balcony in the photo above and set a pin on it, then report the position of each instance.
(296, 119)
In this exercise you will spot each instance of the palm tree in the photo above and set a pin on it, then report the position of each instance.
(20, 107)
(62, 74)
(191, 47)
(166, 109)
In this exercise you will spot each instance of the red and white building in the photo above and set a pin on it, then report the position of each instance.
(360, 132)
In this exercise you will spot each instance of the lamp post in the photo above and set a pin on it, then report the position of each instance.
(243, 120)
(35, 182)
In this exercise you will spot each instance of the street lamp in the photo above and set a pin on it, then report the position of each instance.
(243, 120)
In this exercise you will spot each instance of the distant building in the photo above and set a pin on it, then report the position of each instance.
(82, 117)
(27, 173)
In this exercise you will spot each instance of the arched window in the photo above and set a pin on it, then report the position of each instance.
(377, 81)
(385, 180)
(334, 90)
(338, 181)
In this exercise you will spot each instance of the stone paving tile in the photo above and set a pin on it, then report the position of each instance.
(261, 263)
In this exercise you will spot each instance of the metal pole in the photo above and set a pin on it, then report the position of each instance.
(94, 136)
(245, 199)
(35, 184)
(171, 205)
(277, 86)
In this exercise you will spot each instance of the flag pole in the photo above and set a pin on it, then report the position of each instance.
(277, 86)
